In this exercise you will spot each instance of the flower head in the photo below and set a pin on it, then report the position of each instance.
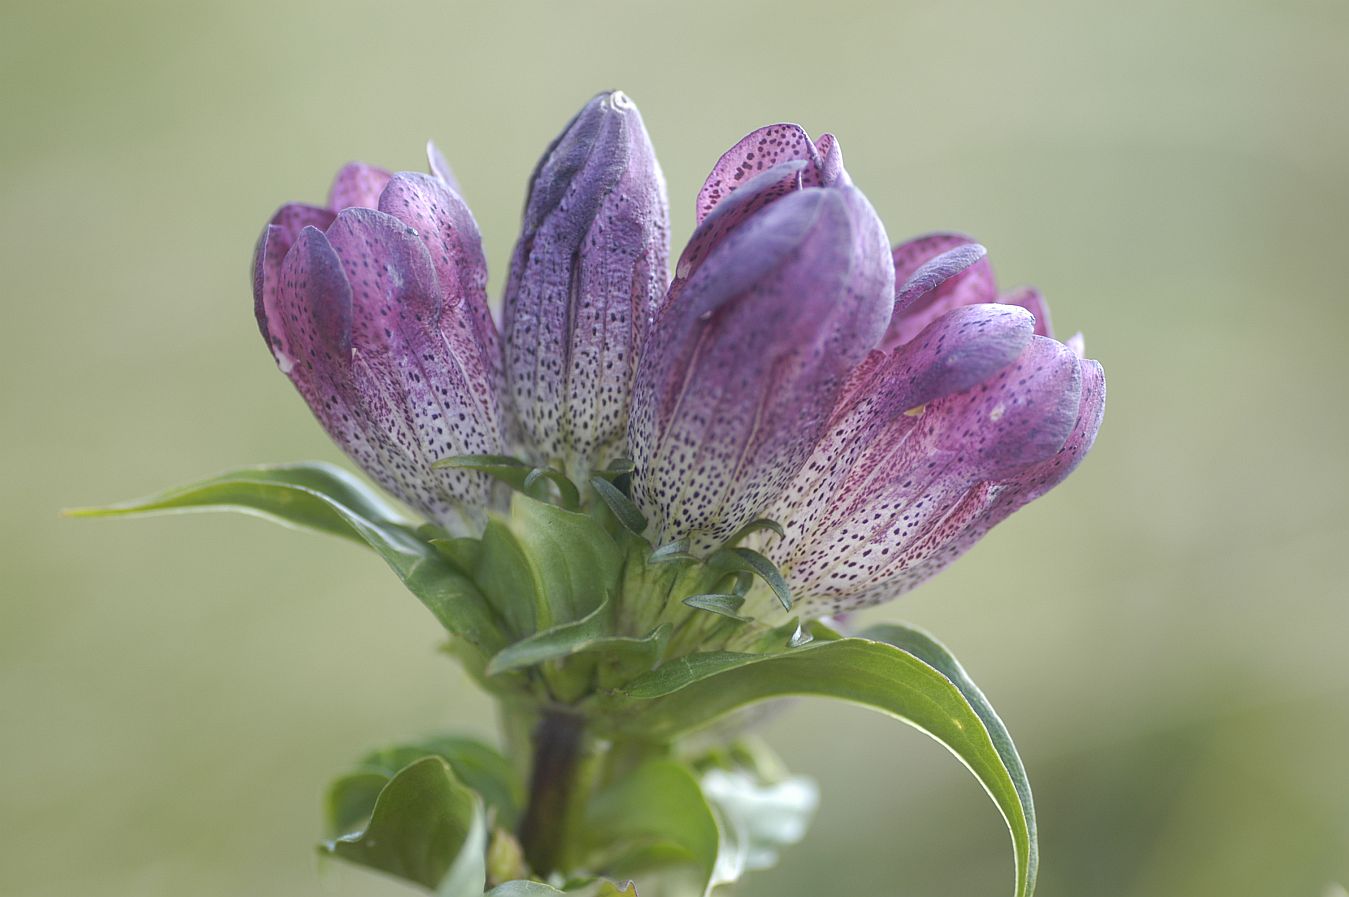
(885, 408)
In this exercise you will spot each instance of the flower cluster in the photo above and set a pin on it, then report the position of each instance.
(883, 408)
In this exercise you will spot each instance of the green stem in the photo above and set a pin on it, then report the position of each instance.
(558, 788)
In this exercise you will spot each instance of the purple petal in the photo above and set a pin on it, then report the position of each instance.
(1034, 302)
(994, 501)
(756, 153)
(912, 254)
(585, 279)
(357, 186)
(440, 168)
(955, 353)
(953, 278)
(450, 233)
(749, 362)
(277, 238)
(895, 506)
(418, 380)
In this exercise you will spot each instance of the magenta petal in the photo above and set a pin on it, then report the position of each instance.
(440, 168)
(447, 228)
(957, 352)
(755, 153)
(1034, 302)
(277, 238)
(991, 502)
(747, 365)
(894, 507)
(958, 276)
(419, 383)
(586, 276)
(357, 186)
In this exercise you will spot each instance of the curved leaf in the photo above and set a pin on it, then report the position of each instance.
(426, 828)
(932, 652)
(704, 688)
(652, 817)
(325, 498)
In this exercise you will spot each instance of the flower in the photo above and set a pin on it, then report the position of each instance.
(883, 408)
(376, 308)
(786, 285)
(973, 412)
(588, 271)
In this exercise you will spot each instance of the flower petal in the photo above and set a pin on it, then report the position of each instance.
(277, 238)
(447, 228)
(895, 506)
(440, 168)
(955, 353)
(357, 186)
(755, 153)
(992, 502)
(1033, 301)
(418, 374)
(957, 276)
(586, 276)
(751, 359)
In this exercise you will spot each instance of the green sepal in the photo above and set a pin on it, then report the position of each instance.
(566, 489)
(754, 526)
(506, 468)
(327, 499)
(720, 604)
(750, 561)
(624, 511)
(593, 888)
(671, 551)
(426, 828)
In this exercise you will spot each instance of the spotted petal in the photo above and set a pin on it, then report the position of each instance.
(746, 367)
(586, 276)
(893, 509)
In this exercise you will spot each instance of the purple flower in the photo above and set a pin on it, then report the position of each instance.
(376, 309)
(785, 286)
(885, 407)
(974, 412)
(585, 279)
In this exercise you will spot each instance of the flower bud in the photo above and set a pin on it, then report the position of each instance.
(767, 318)
(587, 273)
(376, 309)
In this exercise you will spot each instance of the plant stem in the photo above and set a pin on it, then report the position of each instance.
(557, 789)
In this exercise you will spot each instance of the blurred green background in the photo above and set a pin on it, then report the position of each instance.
(1166, 634)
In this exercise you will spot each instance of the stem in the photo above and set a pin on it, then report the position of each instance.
(556, 790)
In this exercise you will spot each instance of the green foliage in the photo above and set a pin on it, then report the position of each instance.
(563, 604)
(699, 689)
(426, 828)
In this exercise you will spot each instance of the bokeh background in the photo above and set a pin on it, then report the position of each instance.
(1166, 634)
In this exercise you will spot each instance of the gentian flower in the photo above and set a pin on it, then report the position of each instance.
(884, 408)
(376, 308)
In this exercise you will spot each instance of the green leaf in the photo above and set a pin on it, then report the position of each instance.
(672, 551)
(478, 766)
(426, 828)
(351, 800)
(590, 635)
(873, 674)
(619, 505)
(595, 888)
(654, 816)
(327, 499)
(751, 561)
(545, 565)
(936, 655)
